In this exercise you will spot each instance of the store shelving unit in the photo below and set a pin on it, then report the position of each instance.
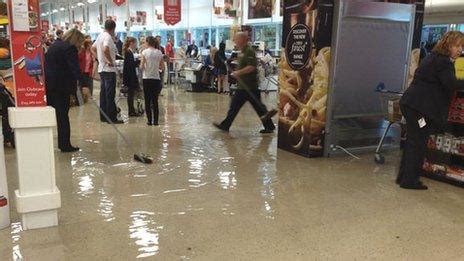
(445, 154)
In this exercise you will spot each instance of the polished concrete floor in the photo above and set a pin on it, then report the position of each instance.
(216, 196)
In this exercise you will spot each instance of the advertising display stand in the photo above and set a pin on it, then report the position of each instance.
(364, 31)
(334, 55)
(4, 200)
(38, 198)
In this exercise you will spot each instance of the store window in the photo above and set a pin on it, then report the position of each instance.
(267, 34)
(224, 34)
(201, 37)
(431, 34)
(181, 38)
(213, 37)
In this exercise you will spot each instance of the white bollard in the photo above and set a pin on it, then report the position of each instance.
(4, 203)
(37, 199)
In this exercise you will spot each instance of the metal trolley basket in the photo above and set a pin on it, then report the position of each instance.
(390, 102)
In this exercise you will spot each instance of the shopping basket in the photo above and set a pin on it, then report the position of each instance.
(390, 103)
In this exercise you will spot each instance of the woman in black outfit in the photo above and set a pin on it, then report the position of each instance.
(130, 79)
(62, 73)
(425, 105)
(220, 66)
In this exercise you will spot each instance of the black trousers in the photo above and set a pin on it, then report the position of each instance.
(130, 99)
(60, 102)
(415, 146)
(152, 89)
(107, 95)
(239, 99)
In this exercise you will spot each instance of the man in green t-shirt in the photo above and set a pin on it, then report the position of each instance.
(248, 87)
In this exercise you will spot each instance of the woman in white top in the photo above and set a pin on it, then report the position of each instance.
(152, 64)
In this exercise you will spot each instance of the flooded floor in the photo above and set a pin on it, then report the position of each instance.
(216, 196)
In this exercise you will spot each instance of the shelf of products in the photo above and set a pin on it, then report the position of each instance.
(445, 153)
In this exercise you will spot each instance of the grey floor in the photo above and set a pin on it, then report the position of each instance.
(216, 196)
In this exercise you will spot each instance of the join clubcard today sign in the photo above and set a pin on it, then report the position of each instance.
(27, 53)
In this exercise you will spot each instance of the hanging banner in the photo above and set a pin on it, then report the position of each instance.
(258, 9)
(45, 26)
(172, 11)
(119, 2)
(27, 53)
(224, 9)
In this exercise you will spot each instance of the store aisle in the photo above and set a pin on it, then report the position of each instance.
(216, 196)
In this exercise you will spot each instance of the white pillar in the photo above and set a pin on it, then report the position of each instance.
(38, 198)
(4, 200)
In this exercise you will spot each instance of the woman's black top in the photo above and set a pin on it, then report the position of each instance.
(433, 87)
(130, 78)
(62, 69)
(220, 63)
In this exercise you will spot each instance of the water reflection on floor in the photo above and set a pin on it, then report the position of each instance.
(216, 196)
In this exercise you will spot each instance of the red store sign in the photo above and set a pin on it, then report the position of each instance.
(119, 2)
(45, 26)
(27, 53)
(172, 11)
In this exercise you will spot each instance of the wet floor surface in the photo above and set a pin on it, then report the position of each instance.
(216, 196)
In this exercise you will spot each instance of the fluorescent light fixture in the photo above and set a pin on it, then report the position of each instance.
(55, 11)
(91, 1)
(80, 4)
(72, 7)
(62, 9)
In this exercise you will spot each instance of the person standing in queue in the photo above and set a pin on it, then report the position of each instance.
(105, 51)
(86, 65)
(192, 50)
(152, 64)
(62, 73)
(248, 88)
(425, 105)
(130, 78)
(220, 67)
(165, 58)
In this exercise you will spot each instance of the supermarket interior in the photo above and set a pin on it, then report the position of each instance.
(231, 129)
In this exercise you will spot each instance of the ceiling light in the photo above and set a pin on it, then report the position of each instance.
(80, 4)
(91, 1)
(55, 11)
(62, 9)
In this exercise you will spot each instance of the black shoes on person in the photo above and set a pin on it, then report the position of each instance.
(220, 127)
(69, 149)
(266, 131)
(135, 114)
(417, 186)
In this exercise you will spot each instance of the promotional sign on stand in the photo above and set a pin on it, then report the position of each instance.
(172, 11)
(37, 197)
(27, 53)
(304, 76)
(4, 203)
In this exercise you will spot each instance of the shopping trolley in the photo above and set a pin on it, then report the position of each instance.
(390, 101)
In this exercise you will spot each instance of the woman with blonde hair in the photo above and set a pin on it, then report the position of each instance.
(425, 105)
(86, 60)
(62, 73)
(130, 78)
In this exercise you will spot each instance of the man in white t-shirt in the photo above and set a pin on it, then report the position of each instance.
(105, 51)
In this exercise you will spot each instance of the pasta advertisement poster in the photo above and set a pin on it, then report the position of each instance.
(304, 76)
